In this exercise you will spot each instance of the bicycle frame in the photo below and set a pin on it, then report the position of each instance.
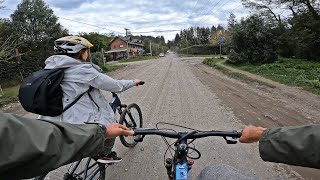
(84, 172)
(115, 104)
(178, 168)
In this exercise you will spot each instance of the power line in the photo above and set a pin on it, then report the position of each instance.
(208, 12)
(89, 24)
(213, 12)
(171, 30)
(77, 22)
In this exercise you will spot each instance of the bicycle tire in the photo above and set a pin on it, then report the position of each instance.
(65, 173)
(126, 120)
(41, 177)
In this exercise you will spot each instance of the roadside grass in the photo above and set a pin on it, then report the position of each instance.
(213, 63)
(294, 72)
(192, 55)
(139, 58)
(11, 92)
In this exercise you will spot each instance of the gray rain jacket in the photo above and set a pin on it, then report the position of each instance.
(78, 78)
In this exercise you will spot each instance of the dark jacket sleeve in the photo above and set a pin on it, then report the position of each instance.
(297, 145)
(32, 147)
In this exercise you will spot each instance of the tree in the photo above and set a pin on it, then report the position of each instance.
(220, 27)
(8, 42)
(231, 21)
(98, 40)
(252, 41)
(213, 29)
(33, 20)
(298, 33)
(265, 8)
(177, 39)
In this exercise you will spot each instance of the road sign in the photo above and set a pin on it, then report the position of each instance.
(220, 41)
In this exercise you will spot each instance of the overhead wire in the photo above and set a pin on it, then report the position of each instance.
(202, 13)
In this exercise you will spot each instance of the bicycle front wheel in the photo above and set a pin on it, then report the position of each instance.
(131, 117)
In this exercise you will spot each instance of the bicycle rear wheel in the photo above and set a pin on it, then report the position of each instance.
(131, 117)
(79, 170)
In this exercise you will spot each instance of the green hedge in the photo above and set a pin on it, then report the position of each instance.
(203, 50)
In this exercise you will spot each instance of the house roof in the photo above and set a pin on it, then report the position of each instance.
(129, 40)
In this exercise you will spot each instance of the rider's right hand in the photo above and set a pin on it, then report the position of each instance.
(113, 130)
(251, 134)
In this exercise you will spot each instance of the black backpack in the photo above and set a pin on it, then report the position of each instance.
(41, 92)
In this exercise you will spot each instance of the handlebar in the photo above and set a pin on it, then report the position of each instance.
(193, 135)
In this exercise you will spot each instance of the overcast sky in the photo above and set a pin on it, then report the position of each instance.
(147, 17)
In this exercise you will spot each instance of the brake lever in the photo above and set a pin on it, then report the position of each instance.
(228, 141)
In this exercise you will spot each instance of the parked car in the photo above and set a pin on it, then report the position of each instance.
(161, 55)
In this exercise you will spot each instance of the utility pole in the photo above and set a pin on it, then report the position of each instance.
(126, 31)
(103, 59)
(150, 48)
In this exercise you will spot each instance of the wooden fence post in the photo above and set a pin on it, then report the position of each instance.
(17, 55)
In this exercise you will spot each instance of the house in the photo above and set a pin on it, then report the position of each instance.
(125, 47)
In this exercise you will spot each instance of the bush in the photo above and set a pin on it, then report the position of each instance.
(202, 50)
(97, 58)
(252, 41)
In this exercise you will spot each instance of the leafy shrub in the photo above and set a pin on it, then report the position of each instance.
(252, 42)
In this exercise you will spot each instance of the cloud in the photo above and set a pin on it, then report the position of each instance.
(139, 15)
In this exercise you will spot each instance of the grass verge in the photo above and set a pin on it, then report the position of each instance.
(10, 94)
(140, 58)
(293, 72)
(213, 63)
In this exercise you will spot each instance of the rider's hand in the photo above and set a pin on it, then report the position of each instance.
(115, 129)
(251, 134)
(137, 82)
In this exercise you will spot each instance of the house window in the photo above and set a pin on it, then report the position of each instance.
(121, 45)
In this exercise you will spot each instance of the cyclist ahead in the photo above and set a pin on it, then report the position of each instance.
(79, 78)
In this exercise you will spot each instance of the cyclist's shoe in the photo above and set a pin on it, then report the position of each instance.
(110, 158)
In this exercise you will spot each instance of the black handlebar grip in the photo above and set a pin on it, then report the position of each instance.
(239, 133)
(141, 83)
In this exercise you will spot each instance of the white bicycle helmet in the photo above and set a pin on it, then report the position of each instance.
(71, 44)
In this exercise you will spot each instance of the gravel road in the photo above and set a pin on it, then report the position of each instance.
(176, 92)
(183, 91)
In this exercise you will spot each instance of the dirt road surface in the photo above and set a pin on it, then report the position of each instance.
(183, 91)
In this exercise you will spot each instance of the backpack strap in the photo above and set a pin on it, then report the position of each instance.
(90, 88)
(77, 99)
